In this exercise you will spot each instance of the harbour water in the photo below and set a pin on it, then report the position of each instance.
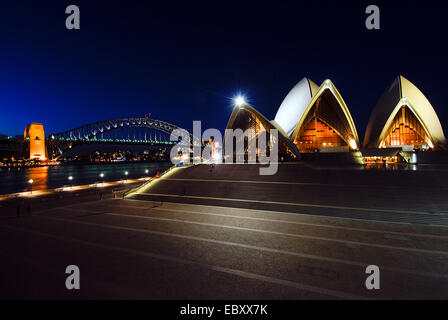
(16, 179)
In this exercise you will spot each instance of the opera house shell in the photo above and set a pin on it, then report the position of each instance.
(246, 117)
(294, 105)
(404, 117)
(326, 123)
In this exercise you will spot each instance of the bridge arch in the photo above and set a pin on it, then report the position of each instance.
(95, 129)
(126, 130)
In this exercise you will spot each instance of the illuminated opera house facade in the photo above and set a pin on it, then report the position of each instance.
(315, 119)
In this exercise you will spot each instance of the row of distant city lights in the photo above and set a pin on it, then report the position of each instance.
(70, 178)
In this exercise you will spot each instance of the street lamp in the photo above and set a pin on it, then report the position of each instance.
(126, 174)
(70, 178)
(102, 176)
(31, 185)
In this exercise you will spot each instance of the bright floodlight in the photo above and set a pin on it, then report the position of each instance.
(353, 144)
(70, 178)
(126, 173)
(101, 175)
(239, 101)
(30, 181)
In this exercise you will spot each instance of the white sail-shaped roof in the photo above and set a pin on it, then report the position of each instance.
(402, 92)
(294, 105)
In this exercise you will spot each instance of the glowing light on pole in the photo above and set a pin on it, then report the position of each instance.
(70, 178)
(102, 177)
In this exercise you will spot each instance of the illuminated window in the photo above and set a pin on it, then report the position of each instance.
(406, 130)
(316, 134)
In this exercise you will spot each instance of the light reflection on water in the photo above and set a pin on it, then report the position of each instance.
(39, 176)
(16, 179)
(391, 166)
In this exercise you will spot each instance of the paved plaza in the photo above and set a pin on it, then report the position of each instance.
(169, 241)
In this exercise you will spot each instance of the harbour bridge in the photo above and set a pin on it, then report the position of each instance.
(115, 131)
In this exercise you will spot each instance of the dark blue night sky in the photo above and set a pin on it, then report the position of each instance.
(183, 61)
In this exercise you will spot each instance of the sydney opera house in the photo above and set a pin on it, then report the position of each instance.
(315, 119)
